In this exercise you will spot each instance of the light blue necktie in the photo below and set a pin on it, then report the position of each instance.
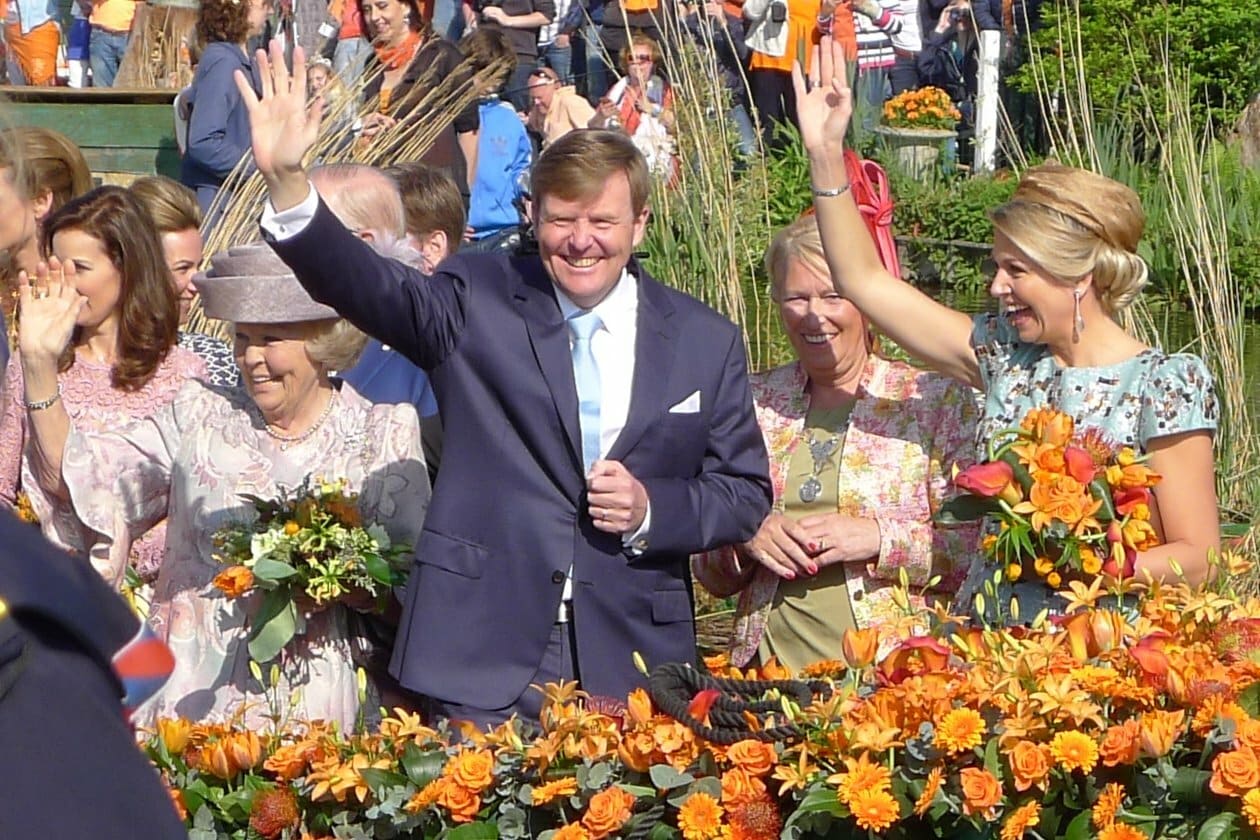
(586, 376)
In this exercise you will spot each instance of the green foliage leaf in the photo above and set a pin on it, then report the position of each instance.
(378, 779)
(1249, 699)
(818, 801)
(966, 508)
(378, 568)
(422, 766)
(1189, 783)
(1079, 827)
(1223, 826)
(473, 831)
(273, 571)
(273, 626)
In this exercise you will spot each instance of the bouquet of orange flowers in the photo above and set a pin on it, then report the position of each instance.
(310, 543)
(1068, 504)
(927, 107)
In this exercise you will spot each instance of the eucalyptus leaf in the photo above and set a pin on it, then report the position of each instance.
(667, 778)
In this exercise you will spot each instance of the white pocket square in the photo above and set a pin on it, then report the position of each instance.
(691, 405)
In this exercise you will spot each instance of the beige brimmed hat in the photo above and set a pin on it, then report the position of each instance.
(249, 284)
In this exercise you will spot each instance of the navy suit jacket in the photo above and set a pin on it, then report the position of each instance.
(508, 515)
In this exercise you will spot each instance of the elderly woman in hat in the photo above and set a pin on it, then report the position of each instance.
(1066, 250)
(193, 460)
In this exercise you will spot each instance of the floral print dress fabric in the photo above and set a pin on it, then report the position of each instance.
(194, 458)
(1152, 395)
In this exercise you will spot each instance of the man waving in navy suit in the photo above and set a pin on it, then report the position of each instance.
(599, 426)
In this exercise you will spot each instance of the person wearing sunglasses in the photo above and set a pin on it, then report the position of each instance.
(641, 104)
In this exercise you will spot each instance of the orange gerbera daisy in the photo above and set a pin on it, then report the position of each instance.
(1121, 831)
(551, 791)
(1108, 805)
(1251, 808)
(1021, 819)
(930, 788)
(700, 817)
(1074, 751)
(862, 776)
(874, 809)
(960, 730)
(572, 831)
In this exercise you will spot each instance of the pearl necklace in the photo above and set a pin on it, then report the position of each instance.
(292, 440)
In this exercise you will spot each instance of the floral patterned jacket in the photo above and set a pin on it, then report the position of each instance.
(907, 430)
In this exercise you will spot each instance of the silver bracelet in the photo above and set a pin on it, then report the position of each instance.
(830, 193)
(42, 404)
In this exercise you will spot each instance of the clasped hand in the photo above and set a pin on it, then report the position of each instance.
(617, 501)
(791, 548)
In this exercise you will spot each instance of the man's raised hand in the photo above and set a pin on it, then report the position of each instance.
(283, 125)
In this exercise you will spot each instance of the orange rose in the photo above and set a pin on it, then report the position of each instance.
(1029, 765)
(754, 757)
(608, 811)
(234, 581)
(1235, 772)
(1120, 744)
(740, 786)
(472, 769)
(635, 751)
(290, 761)
(981, 791)
(459, 800)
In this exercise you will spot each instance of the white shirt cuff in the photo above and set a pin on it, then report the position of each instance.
(637, 542)
(287, 224)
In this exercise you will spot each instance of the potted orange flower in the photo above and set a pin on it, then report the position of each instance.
(916, 123)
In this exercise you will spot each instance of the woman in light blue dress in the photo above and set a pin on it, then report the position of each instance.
(1065, 246)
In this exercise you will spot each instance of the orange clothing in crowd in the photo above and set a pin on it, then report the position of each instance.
(35, 52)
(114, 15)
(804, 34)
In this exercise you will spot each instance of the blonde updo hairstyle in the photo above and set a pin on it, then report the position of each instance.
(1071, 223)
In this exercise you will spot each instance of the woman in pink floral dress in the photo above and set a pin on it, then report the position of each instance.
(860, 453)
(115, 362)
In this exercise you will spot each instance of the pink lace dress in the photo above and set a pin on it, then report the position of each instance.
(191, 462)
(94, 405)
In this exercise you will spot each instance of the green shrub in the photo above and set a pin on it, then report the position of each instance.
(1123, 45)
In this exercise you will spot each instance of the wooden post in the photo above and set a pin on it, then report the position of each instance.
(985, 145)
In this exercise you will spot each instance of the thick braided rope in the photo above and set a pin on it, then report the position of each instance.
(672, 687)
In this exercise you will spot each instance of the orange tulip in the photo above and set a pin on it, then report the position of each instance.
(1149, 654)
(174, 734)
(244, 749)
(1159, 731)
(993, 479)
(1077, 628)
(860, 646)
(700, 705)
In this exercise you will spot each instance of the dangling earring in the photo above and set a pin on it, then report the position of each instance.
(1078, 323)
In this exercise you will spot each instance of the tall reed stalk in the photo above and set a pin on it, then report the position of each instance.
(710, 223)
(233, 218)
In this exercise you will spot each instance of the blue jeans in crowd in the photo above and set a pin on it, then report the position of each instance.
(559, 59)
(349, 58)
(596, 83)
(448, 19)
(106, 54)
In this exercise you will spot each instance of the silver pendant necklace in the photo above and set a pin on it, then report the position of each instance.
(820, 451)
